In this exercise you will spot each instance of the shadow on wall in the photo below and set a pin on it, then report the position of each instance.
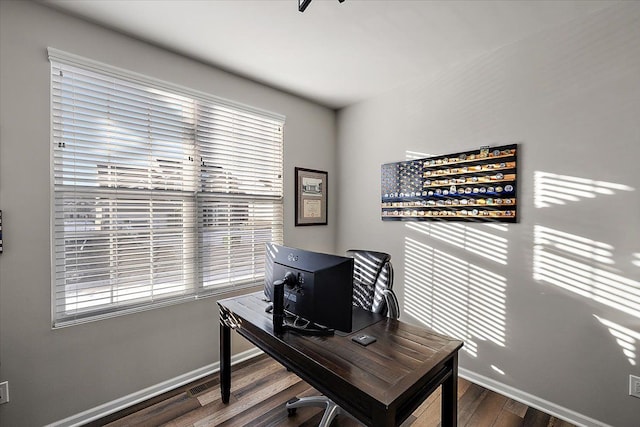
(581, 265)
(459, 298)
(453, 296)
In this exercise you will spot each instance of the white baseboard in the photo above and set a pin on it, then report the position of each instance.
(173, 383)
(147, 393)
(531, 400)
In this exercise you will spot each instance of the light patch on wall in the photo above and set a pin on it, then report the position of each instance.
(553, 189)
(626, 338)
(416, 155)
(453, 296)
(579, 265)
(479, 239)
(573, 244)
(636, 260)
(498, 370)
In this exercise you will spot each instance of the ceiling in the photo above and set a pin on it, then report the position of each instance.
(335, 54)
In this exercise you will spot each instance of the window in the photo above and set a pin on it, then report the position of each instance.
(160, 194)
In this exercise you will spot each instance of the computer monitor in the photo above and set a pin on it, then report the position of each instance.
(319, 286)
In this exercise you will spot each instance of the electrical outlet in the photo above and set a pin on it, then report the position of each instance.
(4, 392)
(634, 386)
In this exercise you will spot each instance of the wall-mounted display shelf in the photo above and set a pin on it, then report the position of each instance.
(477, 185)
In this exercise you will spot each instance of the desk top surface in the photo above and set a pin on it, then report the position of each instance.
(384, 370)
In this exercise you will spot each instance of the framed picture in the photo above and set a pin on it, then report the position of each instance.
(311, 197)
(472, 186)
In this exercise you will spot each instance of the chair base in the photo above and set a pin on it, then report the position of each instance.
(331, 411)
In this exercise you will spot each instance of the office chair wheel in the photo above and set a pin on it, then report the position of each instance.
(291, 411)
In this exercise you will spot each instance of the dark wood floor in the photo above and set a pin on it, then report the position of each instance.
(261, 386)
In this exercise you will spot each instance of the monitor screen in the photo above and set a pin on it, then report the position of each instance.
(319, 286)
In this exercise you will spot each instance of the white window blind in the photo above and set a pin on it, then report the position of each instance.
(160, 194)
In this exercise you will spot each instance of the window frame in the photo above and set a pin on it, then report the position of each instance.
(267, 207)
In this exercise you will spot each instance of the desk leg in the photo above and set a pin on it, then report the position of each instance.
(450, 396)
(225, 362)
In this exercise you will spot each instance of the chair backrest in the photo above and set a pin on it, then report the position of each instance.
(373, 282)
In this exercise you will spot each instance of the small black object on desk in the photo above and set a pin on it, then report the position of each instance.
(364, 339)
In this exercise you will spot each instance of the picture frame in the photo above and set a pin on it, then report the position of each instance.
(311, 197)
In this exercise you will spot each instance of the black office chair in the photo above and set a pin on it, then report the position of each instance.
(373, 282)
(372, 290)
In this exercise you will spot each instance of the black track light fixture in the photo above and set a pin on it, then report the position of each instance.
(302, 4)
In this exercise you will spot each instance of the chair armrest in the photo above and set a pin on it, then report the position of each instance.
(393, 308)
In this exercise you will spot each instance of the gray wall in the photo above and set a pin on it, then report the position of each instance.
(54, 374)
(549, 307)
(570, 97)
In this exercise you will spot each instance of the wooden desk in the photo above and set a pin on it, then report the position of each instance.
(381, 384)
